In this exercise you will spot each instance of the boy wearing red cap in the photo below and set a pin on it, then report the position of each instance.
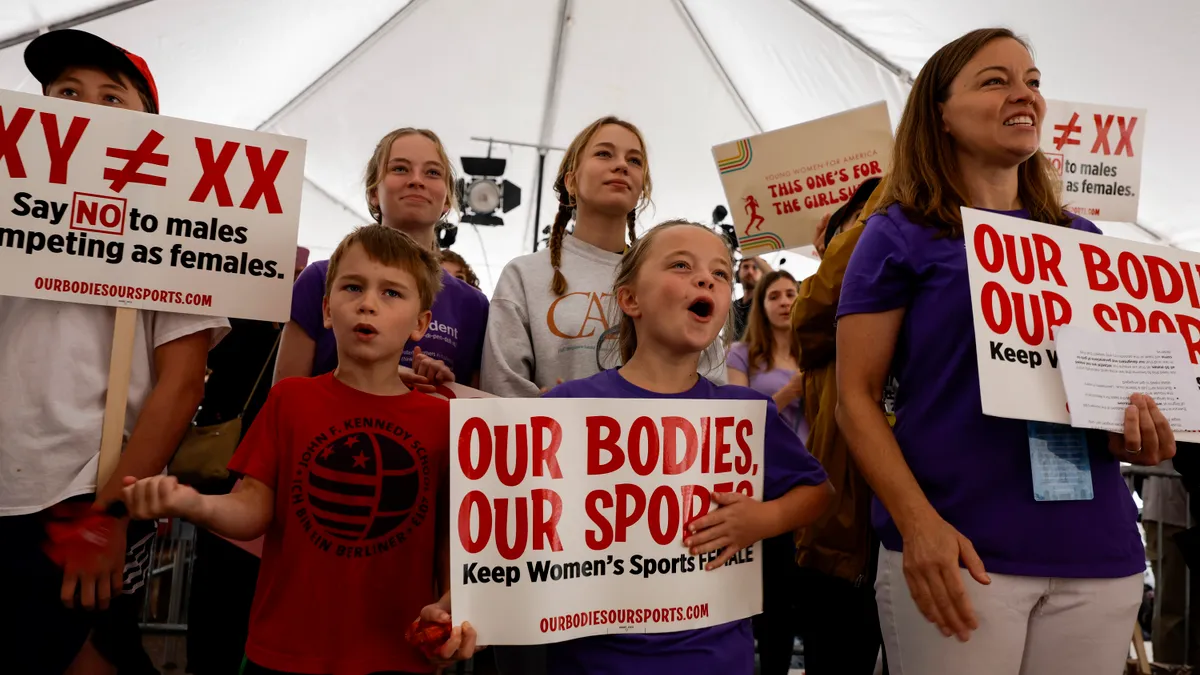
(53, 382)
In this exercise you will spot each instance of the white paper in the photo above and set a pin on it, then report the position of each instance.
(1100, 371)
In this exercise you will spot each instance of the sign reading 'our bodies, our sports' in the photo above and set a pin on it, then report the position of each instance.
(1028, 278)
(111, 207)
(567, 515)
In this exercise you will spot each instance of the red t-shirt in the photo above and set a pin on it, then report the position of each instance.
(349, 558)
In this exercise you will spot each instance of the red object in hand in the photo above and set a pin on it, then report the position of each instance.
(76, 531)
(428, 636)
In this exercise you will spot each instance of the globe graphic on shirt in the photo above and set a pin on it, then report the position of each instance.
(362, 486)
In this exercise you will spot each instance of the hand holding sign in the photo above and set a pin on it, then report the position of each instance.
(1148, 439)
(739, 523)
(433, 633)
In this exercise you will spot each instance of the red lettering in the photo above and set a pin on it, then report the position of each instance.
(746, 488)
(1102, 127)
(1160, 322)
(509, 475)
(602, 537)
(61, 151)
(1096, 263)
(545, 521)
(986, 239)
(1158, 269)
(664, 532)
(1049, 255)
(478, 428)
(1127, 263)
(672, 464)
(511, 548)
(627, 516)
(1132, 320)
(10, 133)
(546, 456)
(1189, 328)
(1058, 311)
(1031, 334)
(995, 300)
(721, 464)
(705, 445)
(214, 170)
(263, 185)
(608, 442)
(474, 502)
(1126, 141)
(690, 494)
(744, 463)
(643, 438)
(1010, 251)
(1103, 314)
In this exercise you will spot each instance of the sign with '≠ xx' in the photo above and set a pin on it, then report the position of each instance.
(1097, 152)
(112, 207)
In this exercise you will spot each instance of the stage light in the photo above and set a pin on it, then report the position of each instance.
(726, 229)
(480, 198)
(447, 234)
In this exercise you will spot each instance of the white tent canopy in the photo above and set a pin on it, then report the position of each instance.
(690, 73)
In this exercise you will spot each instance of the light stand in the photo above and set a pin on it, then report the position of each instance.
(541, 176)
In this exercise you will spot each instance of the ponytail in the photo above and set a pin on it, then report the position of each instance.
(631, 219)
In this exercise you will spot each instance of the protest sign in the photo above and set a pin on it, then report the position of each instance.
(1097, 152)
(567, 515)
(112, 207)
(781, 183)
(1027, 279)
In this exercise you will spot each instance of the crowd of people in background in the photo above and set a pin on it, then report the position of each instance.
(902, 534)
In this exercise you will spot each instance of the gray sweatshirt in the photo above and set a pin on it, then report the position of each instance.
(534, 339)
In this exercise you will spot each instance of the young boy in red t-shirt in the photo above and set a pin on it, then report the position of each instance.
(346, 474)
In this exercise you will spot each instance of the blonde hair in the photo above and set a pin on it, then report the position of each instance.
(759, 337)
(394, 249)
(377, 166)
(566, 203)
(627, 273)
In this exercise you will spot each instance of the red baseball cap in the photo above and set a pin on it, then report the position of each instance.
(51, 53)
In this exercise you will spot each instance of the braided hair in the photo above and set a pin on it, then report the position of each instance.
(566, 201)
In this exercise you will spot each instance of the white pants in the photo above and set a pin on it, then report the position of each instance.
(1027, 626)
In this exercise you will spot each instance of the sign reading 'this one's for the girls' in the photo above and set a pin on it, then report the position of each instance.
(1029, 279)
(567, 515)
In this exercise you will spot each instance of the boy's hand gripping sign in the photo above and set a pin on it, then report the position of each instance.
(1029, 279)
(568, 515)
(111, 207)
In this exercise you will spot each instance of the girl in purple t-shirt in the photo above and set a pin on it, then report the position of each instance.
(673, 288)
(766, 359)
(1052, 584)
(409, 186)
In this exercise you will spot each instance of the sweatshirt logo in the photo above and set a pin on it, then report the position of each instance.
(578, 315)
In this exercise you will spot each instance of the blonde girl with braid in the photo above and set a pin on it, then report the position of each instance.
(551, 308)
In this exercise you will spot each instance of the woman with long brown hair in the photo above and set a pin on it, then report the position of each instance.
(1048, 586)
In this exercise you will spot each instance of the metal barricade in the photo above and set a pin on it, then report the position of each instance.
(168, 589)
(1160, 589)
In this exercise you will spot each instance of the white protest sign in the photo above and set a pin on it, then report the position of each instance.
(111, 207)
(1100, 370)
(1097, 151)
(1027, 279)
(567, 515)
(780, 184)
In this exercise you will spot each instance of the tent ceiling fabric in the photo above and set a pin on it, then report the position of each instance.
(690, 73)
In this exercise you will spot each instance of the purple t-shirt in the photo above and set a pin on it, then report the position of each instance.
(769, 382)
(975, 469)
(727, 649)
(455, 334)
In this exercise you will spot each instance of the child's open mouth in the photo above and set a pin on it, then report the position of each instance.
(365, 330)
(701, 308)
